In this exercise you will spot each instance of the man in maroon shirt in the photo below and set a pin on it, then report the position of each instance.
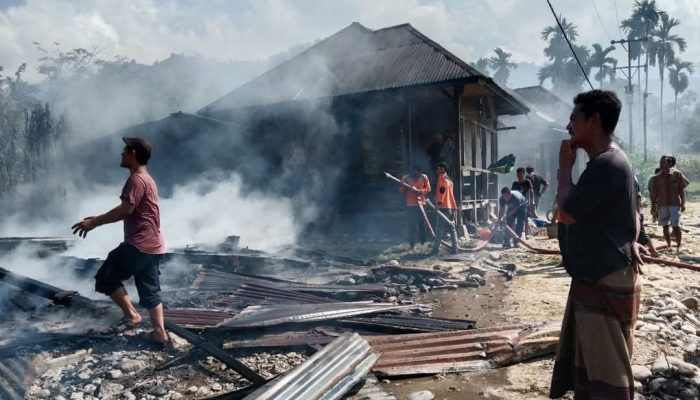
(140, 253)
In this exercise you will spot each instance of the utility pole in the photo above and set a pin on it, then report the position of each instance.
(629, 89)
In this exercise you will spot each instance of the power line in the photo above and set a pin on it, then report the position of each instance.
(561, 28)
(619, 27)
(600, 20)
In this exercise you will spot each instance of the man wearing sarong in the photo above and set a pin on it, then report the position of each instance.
(597, 237)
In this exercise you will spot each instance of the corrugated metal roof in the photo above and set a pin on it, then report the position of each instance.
(327, 375)
(408, 323)
(197, 318)
(209, 279)
(462, 351)
(354, 60)
(275, 314)
(16, 373)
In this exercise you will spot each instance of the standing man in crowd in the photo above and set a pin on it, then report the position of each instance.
(539, 186)
(140, 253)
(524, 186)
(668, 198)
(415, 203)
(516, 217)
(597, 237)
(447, 205)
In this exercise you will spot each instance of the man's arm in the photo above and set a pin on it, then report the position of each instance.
(545, 186)
(118, 213)
(567, 157)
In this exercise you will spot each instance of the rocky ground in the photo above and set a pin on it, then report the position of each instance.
(666, 355)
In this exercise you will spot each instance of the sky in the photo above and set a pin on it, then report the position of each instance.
(150, 30)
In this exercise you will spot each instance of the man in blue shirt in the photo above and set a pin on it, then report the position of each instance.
(516, 216)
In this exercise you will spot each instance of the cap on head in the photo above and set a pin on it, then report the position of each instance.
(141, 147)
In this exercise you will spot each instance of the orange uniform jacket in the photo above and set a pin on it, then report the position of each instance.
(422, 184)
(444, 193)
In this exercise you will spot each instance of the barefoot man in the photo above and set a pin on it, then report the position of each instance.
(140, 253)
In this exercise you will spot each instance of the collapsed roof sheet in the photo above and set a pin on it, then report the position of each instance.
(275, 314)
(462, 351)
(327, 375)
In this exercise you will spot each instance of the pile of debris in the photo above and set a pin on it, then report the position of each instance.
(241, 330)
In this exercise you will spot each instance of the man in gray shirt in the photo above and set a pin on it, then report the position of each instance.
(597, 237)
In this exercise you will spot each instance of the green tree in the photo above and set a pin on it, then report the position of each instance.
(644, 18)
(605, 64)
(678, 79)
(564, 73)
(482, 65)
(557, 48)
(562, 70)
(662, 51)
(501, 64)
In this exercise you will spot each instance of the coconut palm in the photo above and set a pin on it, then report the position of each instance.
(605, 64)
(562, 69)
(564, 73)
(662, 50)
(644, 18)
(482, 64)
(678, 79)
(557, 48)
(501, 64)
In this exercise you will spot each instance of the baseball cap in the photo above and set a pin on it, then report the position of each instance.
(140, 146)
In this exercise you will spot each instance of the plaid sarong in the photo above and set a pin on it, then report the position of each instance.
(595, 346)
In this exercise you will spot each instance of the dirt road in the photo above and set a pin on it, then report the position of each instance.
(539, 293)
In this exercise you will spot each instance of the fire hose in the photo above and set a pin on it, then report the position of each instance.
(654, 260)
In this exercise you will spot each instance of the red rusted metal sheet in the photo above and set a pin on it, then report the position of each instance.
(461, 351)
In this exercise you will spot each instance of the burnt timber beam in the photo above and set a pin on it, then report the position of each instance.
(41, 289)
(57, 295)
(215, 351)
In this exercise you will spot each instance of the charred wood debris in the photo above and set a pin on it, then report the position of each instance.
(247, 324)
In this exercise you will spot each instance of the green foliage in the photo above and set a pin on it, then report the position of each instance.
(689, 164)
(643, 170)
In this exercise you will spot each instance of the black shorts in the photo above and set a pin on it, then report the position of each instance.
(124, 262)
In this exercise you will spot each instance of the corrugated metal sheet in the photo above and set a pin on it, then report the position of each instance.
(462, 351)
(354, 60)
(275, 314)
(15, 374)
(197, 318)
(212, 280)
(326, 375)
(407, 323)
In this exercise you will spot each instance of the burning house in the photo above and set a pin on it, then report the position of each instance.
(324, 125)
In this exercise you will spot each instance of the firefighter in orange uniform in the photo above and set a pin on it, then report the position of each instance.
(445, 202)
(415, 199)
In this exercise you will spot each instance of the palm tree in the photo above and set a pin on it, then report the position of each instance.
(606, 65)
(644, 18)
(678, 80)
(562, 69)
(501, 65)
(557, 47)
(564, 73)
(662, 50)
(482, 64)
